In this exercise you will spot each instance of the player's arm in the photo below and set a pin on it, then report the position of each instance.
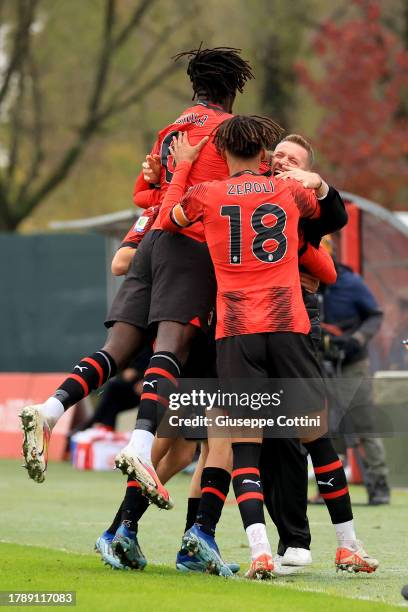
(122, 259)
(172, 216)
(308, 189)
(148, 180)
(319, 264)
(125, 253)
(147, 198)
(180, 210)
(331, 213)
(333, 216)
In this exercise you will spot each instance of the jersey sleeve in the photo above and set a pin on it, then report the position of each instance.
(147, 198)
(319, 263)
(181, 209)
(142, 186)
(139, 229)
(332, 218)
(306, 200)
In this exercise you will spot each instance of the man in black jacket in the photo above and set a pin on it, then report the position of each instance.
(284, 460)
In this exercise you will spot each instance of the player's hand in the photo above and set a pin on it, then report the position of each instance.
(151, 169)
(309, 282)
(182, 150)
(309, 180)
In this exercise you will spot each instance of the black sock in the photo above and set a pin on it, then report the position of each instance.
(193, 504)
(89, 374)
(215, 483)
(159, 381)
(331, 479)
(134, 505)
(247, 482)
(116, 521)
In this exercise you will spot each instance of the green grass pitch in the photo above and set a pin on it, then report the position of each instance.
(47, 534)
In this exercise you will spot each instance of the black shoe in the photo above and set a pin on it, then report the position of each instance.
(379, 492)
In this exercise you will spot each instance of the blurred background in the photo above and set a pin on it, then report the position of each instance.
(84, 87)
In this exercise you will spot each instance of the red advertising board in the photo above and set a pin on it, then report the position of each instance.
(21, 389)
(350, 239)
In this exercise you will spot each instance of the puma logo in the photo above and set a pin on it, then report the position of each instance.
(330, 484)
(257, 482)
(151, 384)
(80, 368)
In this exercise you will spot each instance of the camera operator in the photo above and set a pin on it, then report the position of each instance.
(351, 318)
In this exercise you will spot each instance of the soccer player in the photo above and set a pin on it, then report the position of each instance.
(288, 528)
(262, 324)
(127, 548)
(154, 291)
(126, 551)
(123, 257)
(182, 280)
(147, 298)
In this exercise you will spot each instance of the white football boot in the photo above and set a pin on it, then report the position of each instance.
(37, 433)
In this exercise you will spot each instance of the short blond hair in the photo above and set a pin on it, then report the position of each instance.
(302, 142)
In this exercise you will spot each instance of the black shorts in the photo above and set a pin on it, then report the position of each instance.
(201, 362)
(268, 355)
(171, 278)
(286, 356)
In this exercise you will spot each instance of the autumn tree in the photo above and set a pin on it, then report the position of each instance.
(277, 42)
(55, 98)
(363, 135)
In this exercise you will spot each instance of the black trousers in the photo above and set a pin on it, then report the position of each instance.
(283, 468)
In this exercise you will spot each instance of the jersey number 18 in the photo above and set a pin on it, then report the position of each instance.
(262, 232)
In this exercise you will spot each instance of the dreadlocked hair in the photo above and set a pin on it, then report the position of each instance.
(245, 136)
(216, 73)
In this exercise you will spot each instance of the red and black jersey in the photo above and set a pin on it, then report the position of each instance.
(144, 195)
(251, 227)
(199, 120)
(139, 228)
(319, 264)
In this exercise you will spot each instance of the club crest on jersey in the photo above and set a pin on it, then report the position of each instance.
(140, 224)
